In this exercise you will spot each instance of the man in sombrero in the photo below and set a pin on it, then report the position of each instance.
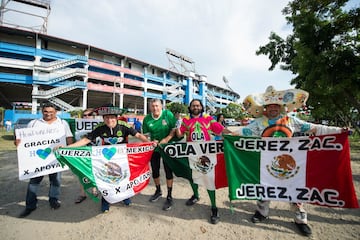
(271, 120)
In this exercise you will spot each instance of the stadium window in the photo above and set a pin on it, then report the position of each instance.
(45, 44)
(129, 65)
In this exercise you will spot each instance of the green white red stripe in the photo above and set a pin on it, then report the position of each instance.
(118, 171)
(302, 169)
(200, 162)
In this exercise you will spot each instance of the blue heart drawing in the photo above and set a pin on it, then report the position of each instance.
(109, 152)
(43, 153)
(113, 140)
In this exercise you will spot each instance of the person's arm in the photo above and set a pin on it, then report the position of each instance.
(69, 135)
(226, 131)
(180, 129)
(17, 142)
(168, 137)
(314, 129)
(254, 128)
(218, 129)
(318, 129)
(145, 129)
(80, 143)
(69, 140)
(179, 134)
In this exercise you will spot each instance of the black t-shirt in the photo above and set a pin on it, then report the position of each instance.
(103, 135)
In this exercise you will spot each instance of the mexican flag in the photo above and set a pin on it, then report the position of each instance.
(117, 171)
(200, 162)
(302, 169)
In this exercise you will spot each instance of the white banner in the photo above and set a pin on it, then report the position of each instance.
(84, 126)
(35, 151)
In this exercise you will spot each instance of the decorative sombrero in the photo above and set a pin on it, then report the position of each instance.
(289, 100)
(110, 111)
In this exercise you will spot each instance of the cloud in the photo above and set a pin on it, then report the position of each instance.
(220, 36)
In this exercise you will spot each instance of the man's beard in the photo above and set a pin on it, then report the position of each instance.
(195, 112)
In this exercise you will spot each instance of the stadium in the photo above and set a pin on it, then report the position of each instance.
(37, 67)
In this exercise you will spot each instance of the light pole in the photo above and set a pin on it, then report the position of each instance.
(227, 83)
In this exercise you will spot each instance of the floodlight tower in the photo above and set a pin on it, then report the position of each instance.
(186, 66)
(180, 63)
(226, 81)
(11, 11)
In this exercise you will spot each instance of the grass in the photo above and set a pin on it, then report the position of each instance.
(355, 148)
(7, 141)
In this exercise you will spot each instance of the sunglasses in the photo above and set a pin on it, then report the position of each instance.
(88, 115)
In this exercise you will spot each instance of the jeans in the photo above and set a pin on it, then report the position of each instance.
(298, 208)
(105, 205)
(33, 187)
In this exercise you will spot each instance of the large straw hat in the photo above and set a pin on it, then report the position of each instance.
(289, 100)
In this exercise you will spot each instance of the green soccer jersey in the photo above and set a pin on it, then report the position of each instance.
(159, 128)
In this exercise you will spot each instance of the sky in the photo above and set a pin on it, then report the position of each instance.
(220, 36)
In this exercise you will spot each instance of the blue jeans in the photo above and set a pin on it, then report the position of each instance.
(33, 187)
(105, 205)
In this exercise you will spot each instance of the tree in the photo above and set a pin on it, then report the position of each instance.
(76, 113)
(176, 107)
(324, 53)
(233, 110)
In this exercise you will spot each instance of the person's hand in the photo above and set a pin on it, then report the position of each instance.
(57, 147)
(346, 130)
(155, 143)
(17, 142)
(164, 141)
(178, 124)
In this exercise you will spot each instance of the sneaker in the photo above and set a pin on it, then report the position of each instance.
(192, 200)
(156, 196)
(304, 229)
(80, 199)
(26, 212)
(55, 204)
(214, 219)
(127, 201)
(168, 204)
(258, 217)
(104, 205)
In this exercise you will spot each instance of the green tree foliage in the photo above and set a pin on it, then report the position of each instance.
(233, 110)
(324, 53)
(76, 113)
(176, 107)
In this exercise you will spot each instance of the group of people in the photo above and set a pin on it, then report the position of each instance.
(161, 126)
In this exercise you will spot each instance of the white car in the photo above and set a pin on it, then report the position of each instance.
(233, 123)
(22, 123)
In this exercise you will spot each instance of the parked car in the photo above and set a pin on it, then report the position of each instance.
(233, 123)
(22, 123)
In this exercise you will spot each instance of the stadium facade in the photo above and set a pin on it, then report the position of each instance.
(36, 67)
